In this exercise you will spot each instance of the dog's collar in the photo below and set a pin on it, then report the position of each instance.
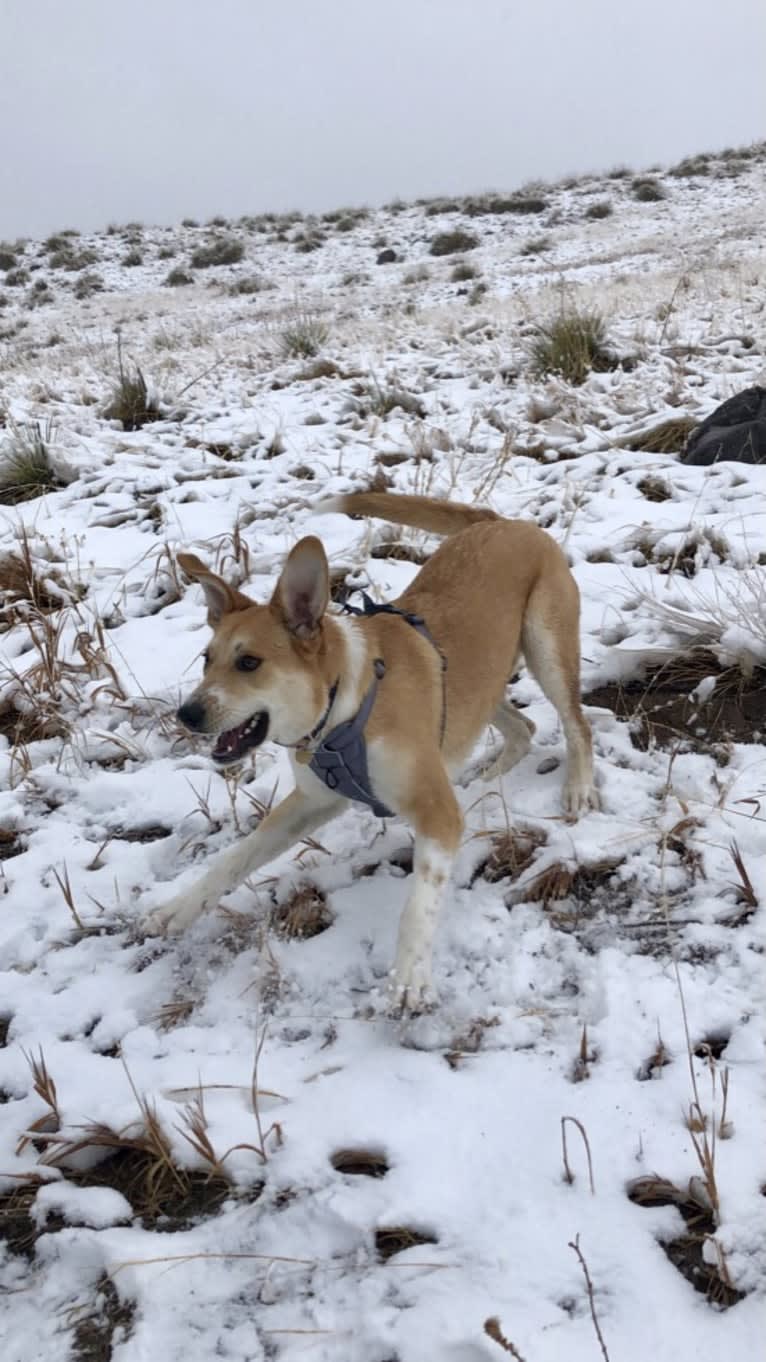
(306, 741)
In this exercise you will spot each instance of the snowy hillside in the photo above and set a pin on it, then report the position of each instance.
(220, 1145)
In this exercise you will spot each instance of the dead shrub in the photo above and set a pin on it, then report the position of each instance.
(449, 243)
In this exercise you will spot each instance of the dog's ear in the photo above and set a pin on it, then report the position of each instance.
(303, 590)
(220, 598)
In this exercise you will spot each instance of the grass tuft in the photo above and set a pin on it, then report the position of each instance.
(303, 336)
(571, 345)
(177, 277)
(26, 469)
(130, 403)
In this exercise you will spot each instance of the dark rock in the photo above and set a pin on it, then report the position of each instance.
(735, 431)
(387, 257)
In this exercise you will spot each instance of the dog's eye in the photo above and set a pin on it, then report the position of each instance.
(206, 658)
(247, 663)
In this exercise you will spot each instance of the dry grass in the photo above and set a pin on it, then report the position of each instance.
(304, 914)
(22, 588)
(26, 468)
(45, 1088)
(569, 1176)
(669, 437)
(513, 852)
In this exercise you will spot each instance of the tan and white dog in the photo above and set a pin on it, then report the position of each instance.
(291, 671)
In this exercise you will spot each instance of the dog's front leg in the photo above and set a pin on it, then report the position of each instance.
(437, 834)
(297, 816)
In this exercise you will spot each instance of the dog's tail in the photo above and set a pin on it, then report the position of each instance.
(421, 513)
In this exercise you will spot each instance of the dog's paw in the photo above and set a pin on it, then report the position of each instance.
(410, 992)
(580, 798)
(173, 917)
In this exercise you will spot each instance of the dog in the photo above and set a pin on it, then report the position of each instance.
(408, 688)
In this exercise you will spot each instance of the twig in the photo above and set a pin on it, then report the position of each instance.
(589, 1286)
(492, 1330)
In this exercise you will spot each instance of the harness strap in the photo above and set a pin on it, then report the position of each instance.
(340, 760)
(371, 607)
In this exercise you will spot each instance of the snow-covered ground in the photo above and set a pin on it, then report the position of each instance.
(588, 1006)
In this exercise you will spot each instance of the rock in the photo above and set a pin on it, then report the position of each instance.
(387, 257)
(735, 431)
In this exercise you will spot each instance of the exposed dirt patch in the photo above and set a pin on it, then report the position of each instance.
(150, 832)
(396, 1238)
(403, 860)
(652, 1066)
(222, 449)
(712, 1046)
(364, 1163)
(470, 1040)
(305, 914)
(664, 712)
(686, 1251)
(34, 725)
(392, 458)
(107, 1324)
(17, 1228)
(654, 489)
(10, 844)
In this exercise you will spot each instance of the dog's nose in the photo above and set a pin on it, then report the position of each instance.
(192, 715)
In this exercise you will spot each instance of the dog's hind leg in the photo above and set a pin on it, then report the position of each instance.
(296, 817)
(551, 644)
(516, 730)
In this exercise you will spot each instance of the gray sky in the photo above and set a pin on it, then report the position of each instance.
(112, 110)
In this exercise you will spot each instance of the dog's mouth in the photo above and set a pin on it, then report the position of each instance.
(234, 743)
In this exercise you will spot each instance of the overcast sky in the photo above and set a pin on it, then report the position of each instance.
(112, 110)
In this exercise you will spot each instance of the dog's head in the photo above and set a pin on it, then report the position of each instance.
(264, 673)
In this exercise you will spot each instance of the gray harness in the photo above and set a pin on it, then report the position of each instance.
(340, 759)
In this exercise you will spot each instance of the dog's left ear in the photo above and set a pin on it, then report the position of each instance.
(220, 598)
(303, 590)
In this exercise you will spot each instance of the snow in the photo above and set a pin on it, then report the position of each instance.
(466, 1103)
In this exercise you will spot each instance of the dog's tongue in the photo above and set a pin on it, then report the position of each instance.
(235, 742)
(230, 742)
